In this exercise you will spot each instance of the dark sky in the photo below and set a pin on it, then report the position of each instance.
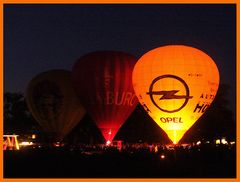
(38, 38)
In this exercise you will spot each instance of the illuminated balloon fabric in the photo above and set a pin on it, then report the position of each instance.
(175, 84)
(53, 103)
(103, 83)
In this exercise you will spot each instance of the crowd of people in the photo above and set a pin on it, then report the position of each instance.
(131, 160)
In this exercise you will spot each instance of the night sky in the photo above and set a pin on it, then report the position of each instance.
(38, 38)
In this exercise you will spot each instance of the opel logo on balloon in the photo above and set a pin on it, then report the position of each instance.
(169, 94)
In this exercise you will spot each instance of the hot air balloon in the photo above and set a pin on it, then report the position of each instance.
(103, 83)
(53, 103)
(175, 84)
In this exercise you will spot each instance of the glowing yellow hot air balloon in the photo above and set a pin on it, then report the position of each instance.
(175, 84)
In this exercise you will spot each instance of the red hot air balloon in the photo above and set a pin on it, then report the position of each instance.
(103, 83)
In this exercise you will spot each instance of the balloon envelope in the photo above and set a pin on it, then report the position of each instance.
(103, 83)
(53, 103)
(175, 84)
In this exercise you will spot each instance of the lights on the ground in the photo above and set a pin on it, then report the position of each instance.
(162, 156)
(224, 141)
(218, 141)
(232, 143)
(25, 143)
(16, 142)
(198, 143)
(10, 142)
(57, 144)
(33, 136)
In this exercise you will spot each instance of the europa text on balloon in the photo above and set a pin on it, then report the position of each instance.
(124, 98)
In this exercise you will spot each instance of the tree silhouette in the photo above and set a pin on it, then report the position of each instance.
(217, 122)
(17, 118)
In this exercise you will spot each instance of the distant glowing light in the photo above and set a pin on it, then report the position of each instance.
(25, 143)
(224, 141)
(218, 141)
(33, 136)
(57, 144)
(110, 132)
(108, 142)
(162, 156)
(198, 143)
(232, 143)
(207, 141)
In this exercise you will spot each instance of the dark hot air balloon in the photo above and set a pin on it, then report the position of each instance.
(103, 83)
(53, 103)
